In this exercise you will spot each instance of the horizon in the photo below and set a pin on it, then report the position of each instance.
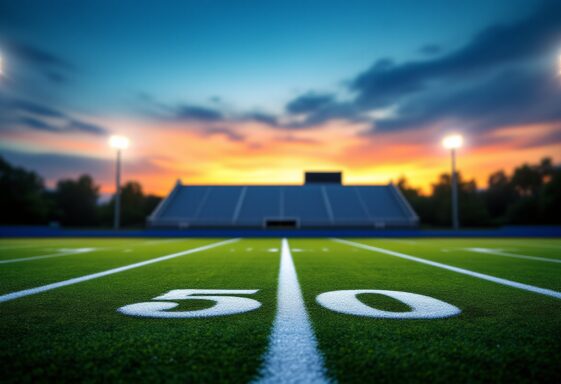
(224, 93)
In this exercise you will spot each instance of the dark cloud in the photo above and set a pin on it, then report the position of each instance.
(192, 112)
(56, 166)
(53, 67)
(497, 78)
(430, 49)
(35, 108)
(309, 102)
(231, 134)
(82, 126)
(511, 97)
(43, 118)
(492, 47)
(261, 117)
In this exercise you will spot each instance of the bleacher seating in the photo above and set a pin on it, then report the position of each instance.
(312, 205)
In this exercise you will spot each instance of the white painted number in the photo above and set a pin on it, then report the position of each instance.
(225, 305)
(422, 307)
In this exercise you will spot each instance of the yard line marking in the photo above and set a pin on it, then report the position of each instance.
(498, 280)
(48, 287)
(507, 254)
(292, 355)
(59, 254)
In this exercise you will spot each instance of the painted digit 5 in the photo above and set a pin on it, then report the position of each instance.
(224, 305)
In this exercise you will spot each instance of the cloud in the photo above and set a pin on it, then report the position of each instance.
(227, 132)
(35, 108)
(43, 118)
(497, 45)
(497, 78)
(192, 112)
(261, 117)
(309, 102)
(56, 166)
(509, 98)
(55, 68)
(430, 49)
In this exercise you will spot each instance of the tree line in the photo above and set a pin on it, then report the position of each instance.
(24, 200)
(531, 195)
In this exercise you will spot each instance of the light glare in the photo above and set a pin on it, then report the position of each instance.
(453, 141)
(119, 142)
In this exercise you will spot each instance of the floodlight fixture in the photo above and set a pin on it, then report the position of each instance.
(119, 142)
(453, 141)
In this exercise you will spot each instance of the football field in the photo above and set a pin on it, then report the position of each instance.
(280, 310)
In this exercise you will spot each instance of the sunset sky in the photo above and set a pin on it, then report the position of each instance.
(233, 92)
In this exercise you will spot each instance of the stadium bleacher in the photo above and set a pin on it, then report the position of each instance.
(322, 202)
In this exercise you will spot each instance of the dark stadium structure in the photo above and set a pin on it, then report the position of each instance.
(322, 202)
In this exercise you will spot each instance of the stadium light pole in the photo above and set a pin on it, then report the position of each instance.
(119, 143)
(453, 142)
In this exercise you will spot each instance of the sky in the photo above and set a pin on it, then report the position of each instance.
(235, 92)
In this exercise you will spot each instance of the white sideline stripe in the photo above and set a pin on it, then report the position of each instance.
(507, 254)
(67, 253)
(292, 355)
(48, 287)
(498, 280)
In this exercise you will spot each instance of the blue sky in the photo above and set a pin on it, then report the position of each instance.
(77, 67)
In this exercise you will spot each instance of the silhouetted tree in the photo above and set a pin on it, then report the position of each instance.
(22, 196)
(135, 206)
(499, 196)
(76, 202)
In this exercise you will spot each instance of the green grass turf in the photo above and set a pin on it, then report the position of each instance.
(108, 254)
(75, 333)
(502, 335)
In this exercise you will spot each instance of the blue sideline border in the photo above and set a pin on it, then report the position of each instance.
(22, 232)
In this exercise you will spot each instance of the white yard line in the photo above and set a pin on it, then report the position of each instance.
(498, 280)
(76, 280)
(292, 355)
(59, 254)
(508, 254)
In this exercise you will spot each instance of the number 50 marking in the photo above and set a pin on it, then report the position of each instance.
(224, 305)
(422, 307)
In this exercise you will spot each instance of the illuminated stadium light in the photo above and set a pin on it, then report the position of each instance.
(559, 65)
(454, 141)
(119, 142)
(1, 65)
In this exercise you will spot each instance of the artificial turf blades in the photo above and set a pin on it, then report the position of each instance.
(75, 333)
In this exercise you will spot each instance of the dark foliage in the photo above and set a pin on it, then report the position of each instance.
(530, 196)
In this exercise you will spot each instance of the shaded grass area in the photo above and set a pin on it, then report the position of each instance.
(75, 333)
(109, 254)
(502, 334)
